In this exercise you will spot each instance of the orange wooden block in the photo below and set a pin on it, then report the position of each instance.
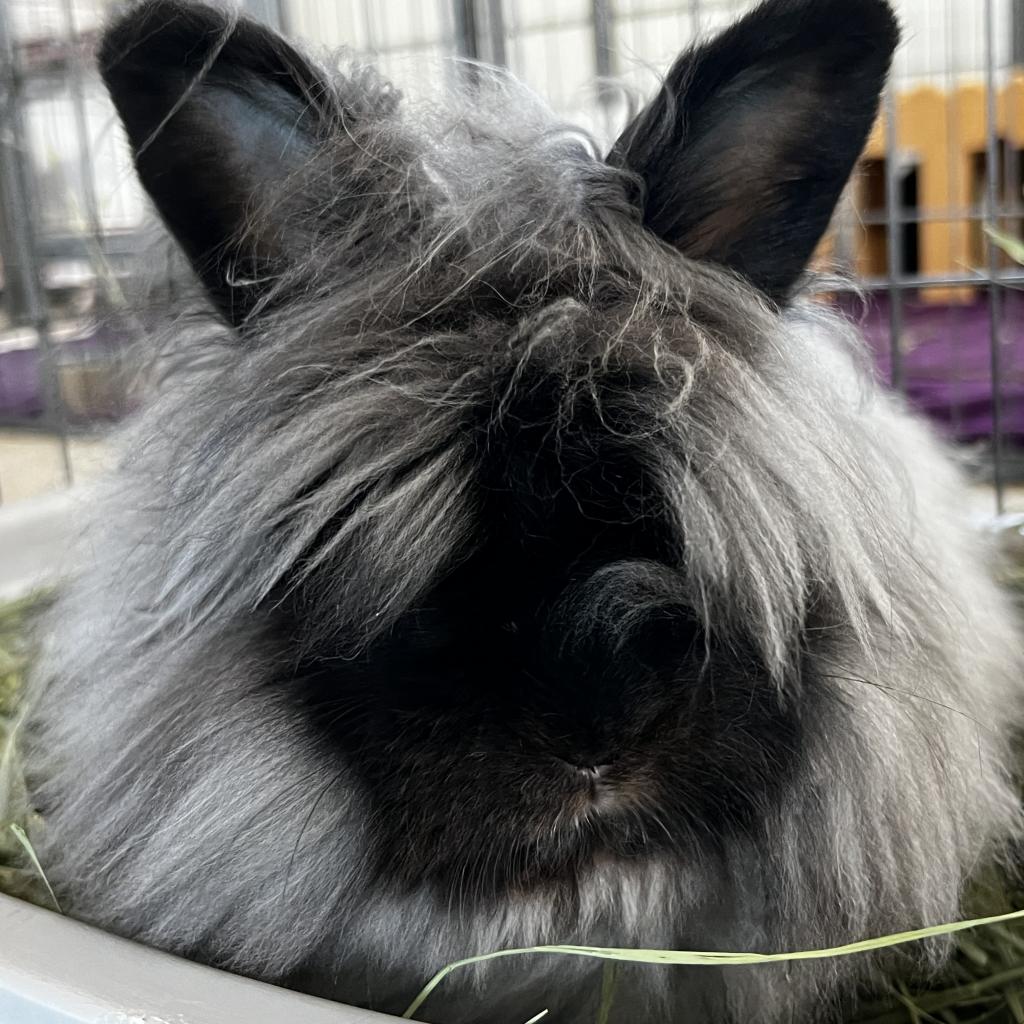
(943, 136)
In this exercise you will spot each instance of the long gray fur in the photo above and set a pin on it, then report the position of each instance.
(323, 463)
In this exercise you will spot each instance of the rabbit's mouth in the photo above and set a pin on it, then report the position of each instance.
(598, 813)
(601, 790)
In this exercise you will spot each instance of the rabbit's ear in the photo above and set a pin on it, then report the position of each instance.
(745, 150)
(218, 109)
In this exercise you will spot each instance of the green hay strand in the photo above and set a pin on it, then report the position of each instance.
(695, 958)
(609, 978)
(1013, 247)
(26, 845)
(21, 873)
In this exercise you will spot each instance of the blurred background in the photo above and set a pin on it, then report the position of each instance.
(929, 230)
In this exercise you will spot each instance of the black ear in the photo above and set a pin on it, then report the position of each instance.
(218, 111)
(746, 149)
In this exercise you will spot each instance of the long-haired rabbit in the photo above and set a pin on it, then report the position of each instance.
(521, 560)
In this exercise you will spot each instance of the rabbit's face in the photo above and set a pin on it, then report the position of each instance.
(554, 700)
(526, 526)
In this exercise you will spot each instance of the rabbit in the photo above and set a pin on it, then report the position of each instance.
(516, 553)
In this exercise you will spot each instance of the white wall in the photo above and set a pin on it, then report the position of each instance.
(942, 39)
(48, 19)
(947, 37)
(407, 38)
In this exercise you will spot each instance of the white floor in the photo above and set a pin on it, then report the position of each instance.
(36, 539)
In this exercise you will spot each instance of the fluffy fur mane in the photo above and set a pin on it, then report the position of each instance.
(464, 334)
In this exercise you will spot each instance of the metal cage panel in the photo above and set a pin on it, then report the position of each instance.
(944, 164)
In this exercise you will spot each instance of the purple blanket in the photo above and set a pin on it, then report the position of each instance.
(21, 380)
(946, 363)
